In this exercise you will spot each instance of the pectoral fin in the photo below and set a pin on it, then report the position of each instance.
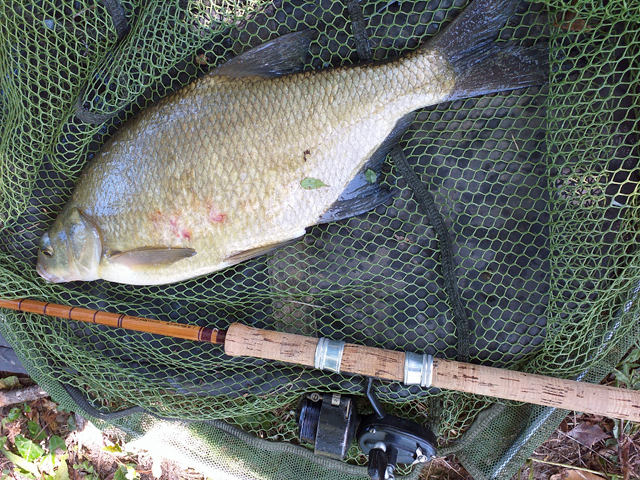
(363, 194)
(150, 256)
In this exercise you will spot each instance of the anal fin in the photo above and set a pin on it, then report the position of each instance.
(250, 253)
(360, 196)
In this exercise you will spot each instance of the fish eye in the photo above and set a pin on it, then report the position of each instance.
(45, 246)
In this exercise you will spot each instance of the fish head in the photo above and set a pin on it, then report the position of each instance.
(71, 249)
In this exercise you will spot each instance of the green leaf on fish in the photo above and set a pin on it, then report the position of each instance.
(370, 175)
(312, 183)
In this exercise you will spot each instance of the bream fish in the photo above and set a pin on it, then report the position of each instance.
(245, 159)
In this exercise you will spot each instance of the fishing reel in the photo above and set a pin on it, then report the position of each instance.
(330, 422)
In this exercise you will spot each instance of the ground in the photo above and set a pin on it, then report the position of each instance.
(41, 441)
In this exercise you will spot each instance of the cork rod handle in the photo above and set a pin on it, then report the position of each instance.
(464, 377)
(286, 347)
(537, 389)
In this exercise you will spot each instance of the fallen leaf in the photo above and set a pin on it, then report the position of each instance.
(28, 450)
(370, 175)
(36, 432)
(112, 448)
(20, 462)
(582, 475)
(564, 426)
(587, 434)
(62, 473)
(9, 383)
(312, 183)
(571, 22)
(47, 463)
(202, 59)
(576, 25)
(57, 444)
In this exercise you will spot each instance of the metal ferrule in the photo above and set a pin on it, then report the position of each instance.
(329, 354)
(418, 369)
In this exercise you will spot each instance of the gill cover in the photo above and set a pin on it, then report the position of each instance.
(71, 249)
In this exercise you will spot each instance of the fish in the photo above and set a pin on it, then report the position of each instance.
(244, 159)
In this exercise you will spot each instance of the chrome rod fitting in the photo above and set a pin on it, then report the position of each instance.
(329, 354)
(418, 369)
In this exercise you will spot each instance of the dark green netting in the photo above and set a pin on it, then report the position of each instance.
(537, 187)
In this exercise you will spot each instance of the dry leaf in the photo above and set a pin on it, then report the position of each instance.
(570, 474)
(564, 426)
(576, 25)
(582, 475)
(202, 59)
(559, 476)
(587, 434)
(571, 22)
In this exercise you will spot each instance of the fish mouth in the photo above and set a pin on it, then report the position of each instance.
(48, 276)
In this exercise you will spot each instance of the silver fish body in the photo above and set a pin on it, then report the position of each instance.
(230, 166)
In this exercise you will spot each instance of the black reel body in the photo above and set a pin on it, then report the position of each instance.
(329, 422)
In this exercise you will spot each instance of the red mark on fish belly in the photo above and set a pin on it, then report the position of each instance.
(178, 229)
(186, 220)
(218, 217)
(184, 233)
(170, 223)
(215, 216)
(156, 218)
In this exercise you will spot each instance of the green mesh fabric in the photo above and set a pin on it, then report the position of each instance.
(537, 187)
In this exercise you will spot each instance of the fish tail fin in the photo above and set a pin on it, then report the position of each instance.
(483, 65)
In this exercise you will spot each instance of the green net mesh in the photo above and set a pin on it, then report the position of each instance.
(537, 187)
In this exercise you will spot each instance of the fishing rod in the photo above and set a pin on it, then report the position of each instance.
(337, 356)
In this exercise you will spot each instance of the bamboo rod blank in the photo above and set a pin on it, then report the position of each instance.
(139, 324)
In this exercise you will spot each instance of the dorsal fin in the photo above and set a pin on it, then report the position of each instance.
(281, 56)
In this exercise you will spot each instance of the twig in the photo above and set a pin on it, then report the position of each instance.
(22, 395)
(571, 467)
(515, 143)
